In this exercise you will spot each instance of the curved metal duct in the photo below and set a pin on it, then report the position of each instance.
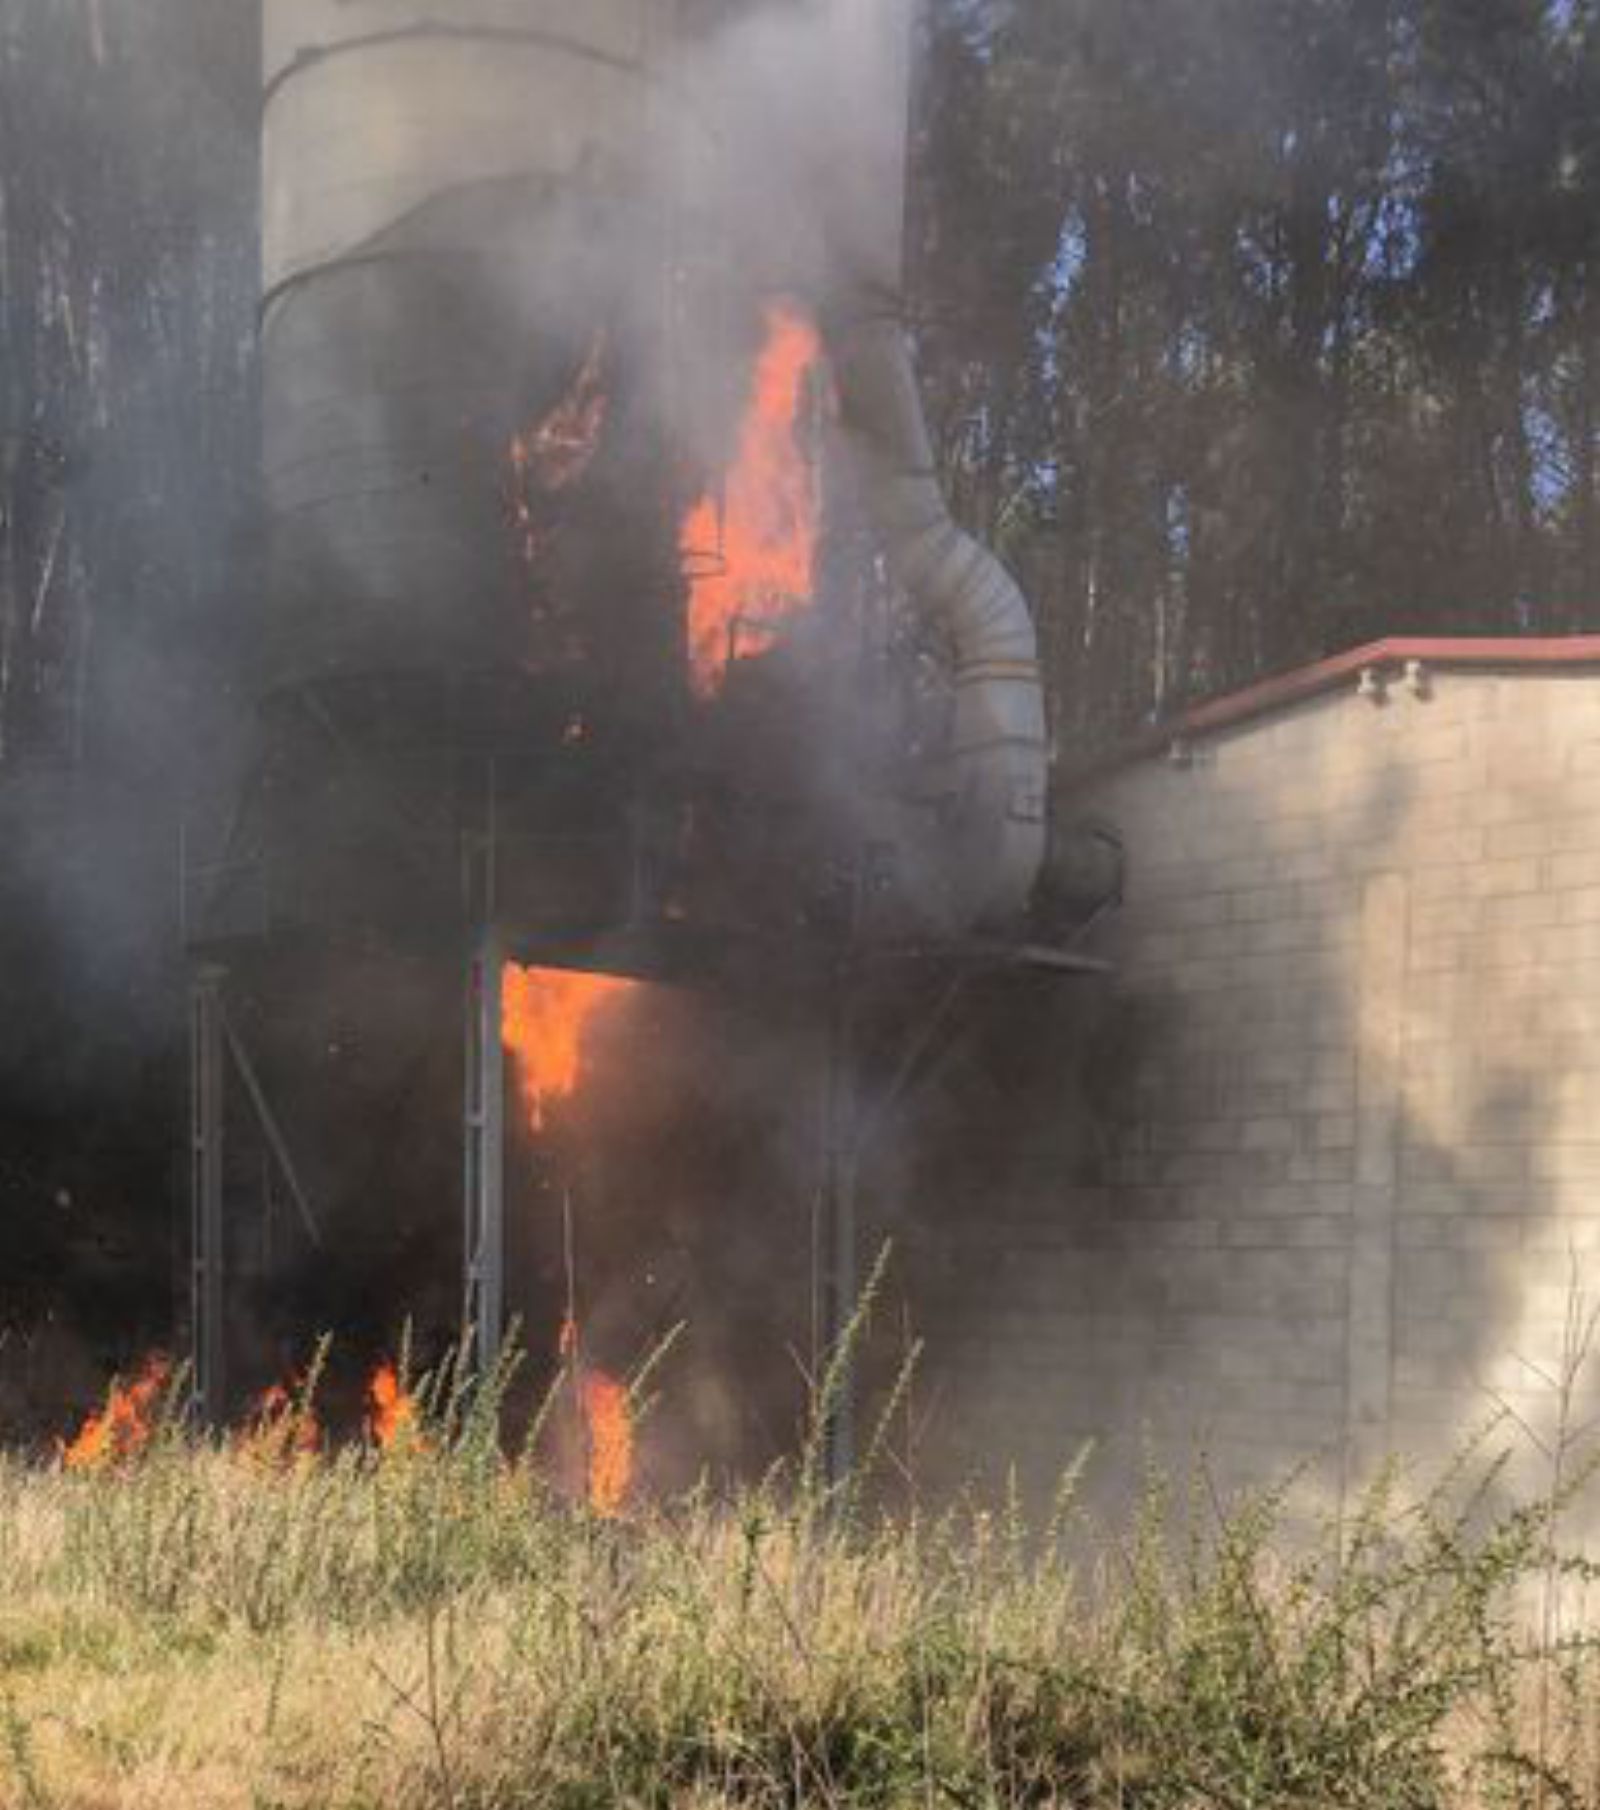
(994, 823)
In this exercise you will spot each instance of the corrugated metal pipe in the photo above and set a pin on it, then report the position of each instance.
(993, 827)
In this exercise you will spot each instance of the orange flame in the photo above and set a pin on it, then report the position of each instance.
(608, 1425)
(610, 1416)
(391, 1410)
(545, 1015)
(126, 1424)
(556, 453)
(560, 449)
(752, 561)
(280, 1427)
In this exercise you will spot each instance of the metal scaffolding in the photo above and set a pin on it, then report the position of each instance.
(216, 1051)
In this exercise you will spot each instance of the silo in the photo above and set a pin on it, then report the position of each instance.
(471, 226)
(516, 258)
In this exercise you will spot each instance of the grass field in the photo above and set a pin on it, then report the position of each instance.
(198, 1625)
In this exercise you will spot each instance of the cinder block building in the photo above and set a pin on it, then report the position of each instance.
(1326, 1164)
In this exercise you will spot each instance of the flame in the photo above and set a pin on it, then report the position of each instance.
(556, 452)
(609, 1414)
(547, 1012)
(126, 1424)
(280, 1427)
(763, 537)
(608, 1425)
(545, 1015)
(391, 1410)
(560, 449)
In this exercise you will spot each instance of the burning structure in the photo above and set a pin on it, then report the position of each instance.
(614, 628)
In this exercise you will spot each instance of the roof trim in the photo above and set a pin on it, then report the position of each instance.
(1307, 681)
(1280, 692)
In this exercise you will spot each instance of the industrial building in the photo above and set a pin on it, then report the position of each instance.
(1318, 1182)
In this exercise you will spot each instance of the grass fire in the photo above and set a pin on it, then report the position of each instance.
(179, 1627)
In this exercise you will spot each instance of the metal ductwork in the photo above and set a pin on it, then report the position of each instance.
(989, 833)
(992, 819)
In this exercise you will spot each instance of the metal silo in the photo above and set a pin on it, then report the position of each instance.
(515, 259)
(469, 225)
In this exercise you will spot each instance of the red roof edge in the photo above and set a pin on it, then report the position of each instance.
(1504, 652)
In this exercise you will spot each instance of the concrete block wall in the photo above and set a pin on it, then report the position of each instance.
(1331, 1157)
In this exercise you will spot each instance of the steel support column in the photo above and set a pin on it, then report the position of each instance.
(484, 1127)
(208, 1226)
(841, 1236)
(484, 1087)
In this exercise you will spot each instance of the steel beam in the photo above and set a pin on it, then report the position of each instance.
(484, 1092)
(277, 1143)
(484, 1128)
(208, 1233)
(841, 1237)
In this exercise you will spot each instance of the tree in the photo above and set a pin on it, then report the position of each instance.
(1283, 331)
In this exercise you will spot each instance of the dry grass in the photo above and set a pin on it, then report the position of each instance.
(434, 1627)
